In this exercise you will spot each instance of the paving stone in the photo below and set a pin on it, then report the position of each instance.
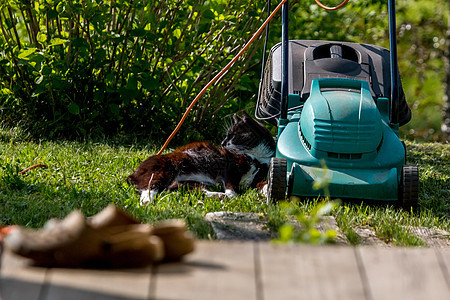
(239, 226)
(253, 226)
(368, 237)
(434, 238)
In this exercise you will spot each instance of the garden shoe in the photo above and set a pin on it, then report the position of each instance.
(177, 240)
(111, 216)
(72, 242)
(131, 252)
(69, 242)
(4, 231)
(128, 246)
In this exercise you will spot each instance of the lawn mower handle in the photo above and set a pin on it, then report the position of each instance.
(394, 103)
(341, 83)
(393, 63)
(284, 60)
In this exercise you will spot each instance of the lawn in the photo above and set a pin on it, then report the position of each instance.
(89, 175)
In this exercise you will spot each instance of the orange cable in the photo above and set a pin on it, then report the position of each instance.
(31, 168)
(331, 8)
(220, 75)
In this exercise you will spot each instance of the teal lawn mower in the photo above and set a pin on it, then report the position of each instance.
(338, 107)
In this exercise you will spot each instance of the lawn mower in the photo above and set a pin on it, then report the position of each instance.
(338, 107)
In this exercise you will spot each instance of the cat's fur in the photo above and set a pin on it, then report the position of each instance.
(247, 136)
(242, 161)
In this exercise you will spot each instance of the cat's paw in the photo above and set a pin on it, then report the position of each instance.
(147, 197)
(230, 193)
(220, 195)
(264, 190)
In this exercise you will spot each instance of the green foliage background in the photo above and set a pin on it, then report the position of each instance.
(71, 68)
(76, 68)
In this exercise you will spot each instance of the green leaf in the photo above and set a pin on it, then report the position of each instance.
(286, 232)
(208, 14)
(57, 41)
(80, 42)
(41, 37)
(25, 53)
(39, 79)
(150, 84)
(52, 14)
(46, 70)
(138, 32)
(132, 83)
(73, 108)
(36, 57)
(60, 7)
(331, 234)
(6, 91)
(177, 33)
(314, 234)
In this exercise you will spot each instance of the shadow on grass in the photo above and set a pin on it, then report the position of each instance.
(434, 196)
(32, 205)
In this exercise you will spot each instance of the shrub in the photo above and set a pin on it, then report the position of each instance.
(72, 68)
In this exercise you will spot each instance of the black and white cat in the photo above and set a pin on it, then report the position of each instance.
(242, 161)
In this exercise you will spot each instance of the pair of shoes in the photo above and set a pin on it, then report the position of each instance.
(110, 239)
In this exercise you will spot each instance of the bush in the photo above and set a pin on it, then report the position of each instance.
(72, 68)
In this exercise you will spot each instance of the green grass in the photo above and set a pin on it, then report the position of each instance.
(90, 175)
(390, 224)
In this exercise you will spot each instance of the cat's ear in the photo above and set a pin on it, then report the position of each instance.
(245, 115)
(236, 118)
(249, 120)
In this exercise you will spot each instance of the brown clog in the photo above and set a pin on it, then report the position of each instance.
(71, 242)
(110, 238)
(177, 240)
(111, 216)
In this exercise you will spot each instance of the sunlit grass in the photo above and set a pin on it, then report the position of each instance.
(90, 175)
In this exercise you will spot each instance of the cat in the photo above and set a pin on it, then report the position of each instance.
(247, 136)
(241, 162)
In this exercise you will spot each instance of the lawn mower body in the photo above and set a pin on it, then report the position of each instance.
(346, 144)
(338, 120)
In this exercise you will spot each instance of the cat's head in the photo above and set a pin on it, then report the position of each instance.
(247, 136)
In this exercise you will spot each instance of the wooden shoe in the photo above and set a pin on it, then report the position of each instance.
(177, 240)
(69, 242)
(110, 238)
(111, 216)
(72, 242)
